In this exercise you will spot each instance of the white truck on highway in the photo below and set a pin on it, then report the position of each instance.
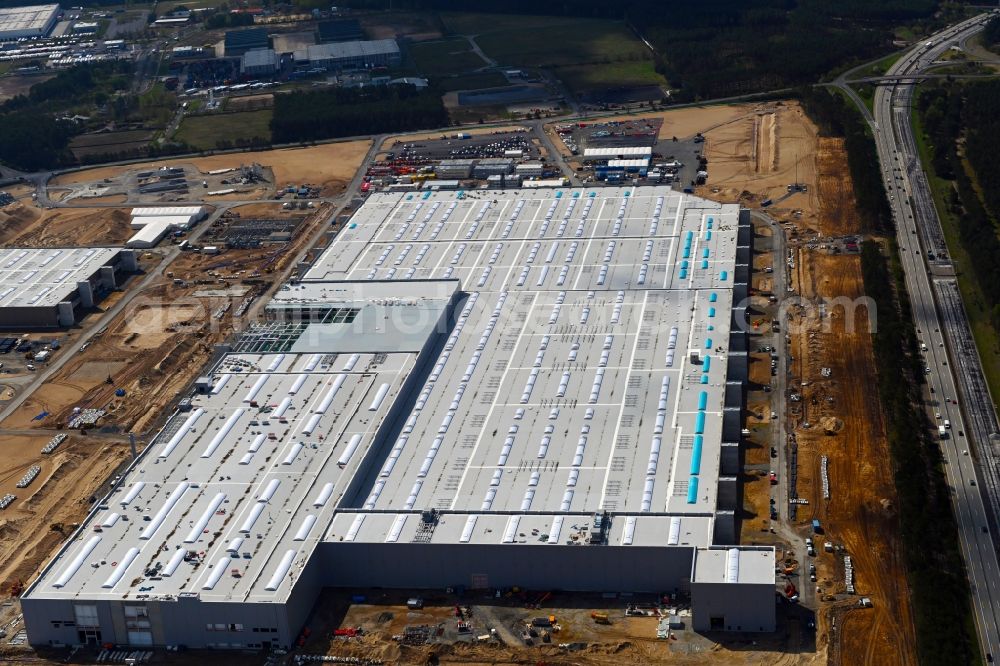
(942, 432)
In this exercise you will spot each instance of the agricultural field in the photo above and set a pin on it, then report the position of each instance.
(579, 41)
(127, 143)
(473, 81)
(588, 55)
(207, 132)
(625, 74)
(445, 57)
(415, 26)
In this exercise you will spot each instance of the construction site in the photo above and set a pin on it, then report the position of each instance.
(843, 475)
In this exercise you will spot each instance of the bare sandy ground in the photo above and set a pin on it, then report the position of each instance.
(689, 121)
(477, 131)
(325, 165)
(757, 154)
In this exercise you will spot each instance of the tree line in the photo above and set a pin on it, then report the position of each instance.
(949, 112)
(337, 112)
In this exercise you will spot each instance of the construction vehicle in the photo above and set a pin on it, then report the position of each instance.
(600, 618)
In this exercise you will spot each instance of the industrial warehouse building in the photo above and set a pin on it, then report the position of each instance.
(238, 42)
(260, 62)
(46, 288)
(33, 21)
(153, 223)
(454, 168)
(535, 388)
(351, 55)
(618, 152)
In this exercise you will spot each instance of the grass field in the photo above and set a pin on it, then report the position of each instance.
(612, 75)
(477, 24)
(205, 132)
(580, 41)
(473, 81)
(882, 66)
(977, 312)
(156, 106)
(444, 57)
(461, 115)
(587, 54)
(866, 92)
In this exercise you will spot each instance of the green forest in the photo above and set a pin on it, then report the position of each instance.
(949, 112)
(338, 112)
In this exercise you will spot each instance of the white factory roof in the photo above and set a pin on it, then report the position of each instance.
(349, 50)
(159, 211)
(257, 459)
(149, 234)
(572, 274)
(180, 221)
(629, 164)
(583, 371)
(722, 564)
(33, 18)
(154, 222)
(619, 152)
(46, 277)
(260, 58)
(548, 182)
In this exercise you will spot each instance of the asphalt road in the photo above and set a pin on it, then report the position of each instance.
(969, 450)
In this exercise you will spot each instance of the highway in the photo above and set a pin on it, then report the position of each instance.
(969, 449)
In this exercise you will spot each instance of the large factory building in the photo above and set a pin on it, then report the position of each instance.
(535, 388)
(48, 287)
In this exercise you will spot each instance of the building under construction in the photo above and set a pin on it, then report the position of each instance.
(535, 388)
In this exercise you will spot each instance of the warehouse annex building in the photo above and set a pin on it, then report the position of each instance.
(48, 287)
(537, 388)
(33, 21)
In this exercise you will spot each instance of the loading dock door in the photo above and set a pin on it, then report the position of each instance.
(140, 638)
